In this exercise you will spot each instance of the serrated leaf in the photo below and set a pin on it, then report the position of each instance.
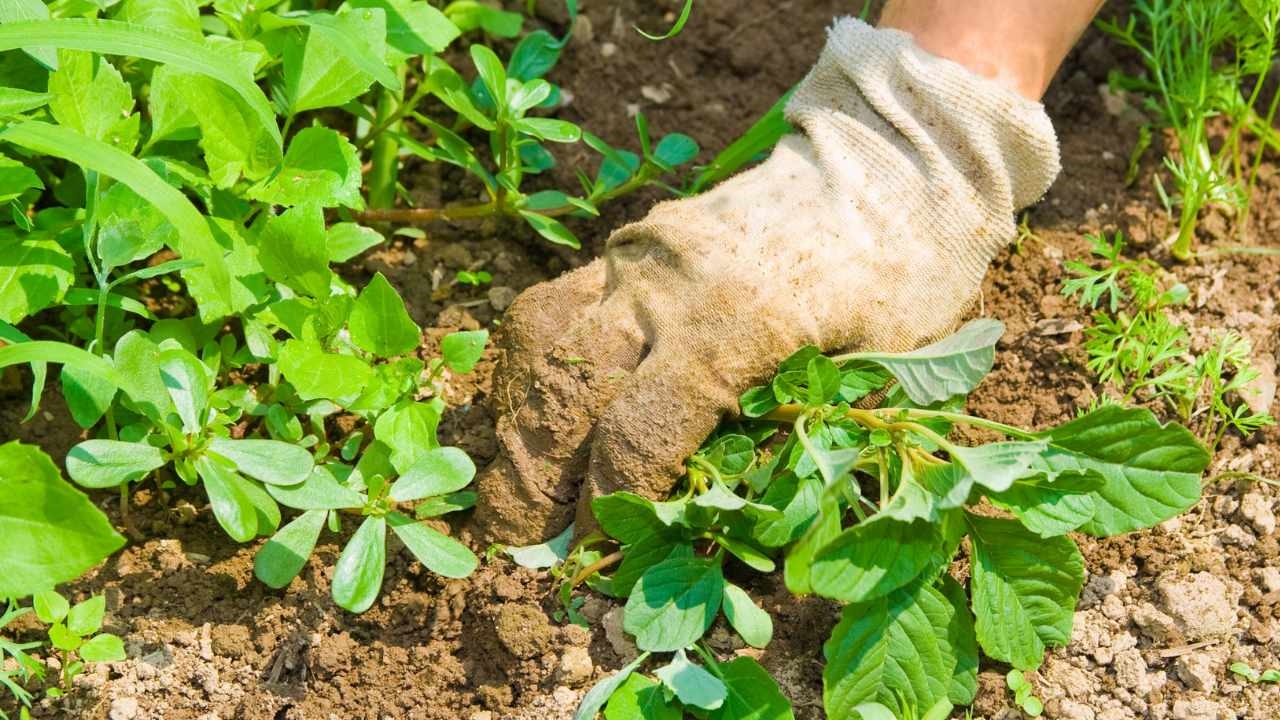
(357, 578)
(894, 650)
(282, 557)
(90, 97)
(1152, 471)
(335, 60)
(35, 272)
(952, 366)
(108, 463)
(674, 603)
(692, 684)
(320, 166)
(291, 248)
(1022, 603)
(316, 374)
(440, 553)
(752, 623)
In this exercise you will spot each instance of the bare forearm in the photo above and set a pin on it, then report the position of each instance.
(1019, 43)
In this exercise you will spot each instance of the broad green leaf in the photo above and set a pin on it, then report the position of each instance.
(180, 17)
(52, 532)
(826, 527)
(344, 241)
(112, 37)
(749, 554)
(551, 229)
(801, 504)
(640, 698)
(379, 323)
(330, 64)
(750, 620)
(534, 56)
(91, 98)
(103, 648)
(409, 429)
(1050, 508)
(291, 248)
(357, 578)
(35, 272)
(952, 366)
(675, 149)
(195, 240)
(674, 603)
(317, 374)
(285, 554)
(320, 491)
(129, 227)
(996, 465)
(232, 506)
(50, 607)
(15, 177)
(264, 505)
(440, 553)
(626, 517)
(235, 145)
(63, 639)
(894, 650)
(471, 15)
(85, 618)
(414, 28)
(964, 644)
(873, 558)
(172, 114)
(543, 555)
(752, 693)
(320, 166)
(692, 684)
(1152, 471)
(108, 463)
(641, 555)
(271, 461)
(436, 472)
(823, 380)
(1023, 604)
(602, 690)
(138, 360)
(463, 349)
(188, 382)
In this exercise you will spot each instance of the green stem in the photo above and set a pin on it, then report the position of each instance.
(385, 154)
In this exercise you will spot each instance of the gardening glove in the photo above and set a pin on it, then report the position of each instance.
(871, 229)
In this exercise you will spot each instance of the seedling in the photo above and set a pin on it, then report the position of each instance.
(1136, 345)
(1245, 671)
(433, 475)
(74, 630)
(474, 279)
(1023, 693)
(868, 506)
(24, 667)
(1180, 44)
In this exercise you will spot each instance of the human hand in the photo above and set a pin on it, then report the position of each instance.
(870, 231)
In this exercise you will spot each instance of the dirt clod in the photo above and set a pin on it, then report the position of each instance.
(524, 630)
(1201, 604)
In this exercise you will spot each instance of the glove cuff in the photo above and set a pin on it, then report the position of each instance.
(926, 137)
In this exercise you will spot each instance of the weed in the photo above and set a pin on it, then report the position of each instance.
(868, 506)
(1187, 85)
(1135, 345)
(1248, 673)
(1023, 693)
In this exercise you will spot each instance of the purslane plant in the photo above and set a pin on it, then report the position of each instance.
(870, 506)
(1135, 344)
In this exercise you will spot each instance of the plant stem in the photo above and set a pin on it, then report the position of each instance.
(385, 159)
(608, 560)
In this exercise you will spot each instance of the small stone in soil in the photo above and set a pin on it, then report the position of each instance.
(501, 297)
(1201, 604)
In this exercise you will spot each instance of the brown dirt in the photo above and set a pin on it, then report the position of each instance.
(205, 640)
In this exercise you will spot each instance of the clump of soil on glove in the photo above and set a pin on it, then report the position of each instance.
(1163, 613)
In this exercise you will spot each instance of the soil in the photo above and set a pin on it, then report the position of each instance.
(1163, 614)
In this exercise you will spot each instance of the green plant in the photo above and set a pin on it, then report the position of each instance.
(425, 472)
(1135, 345)
(473, 278)
(24, 667)
(1023, 693)
(1181, 45)
(869, 506)
(1245, 671)
(74, 630)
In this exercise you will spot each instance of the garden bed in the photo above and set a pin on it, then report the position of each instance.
(1164, 612)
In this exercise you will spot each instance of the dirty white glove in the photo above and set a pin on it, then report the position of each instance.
(871, 230)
